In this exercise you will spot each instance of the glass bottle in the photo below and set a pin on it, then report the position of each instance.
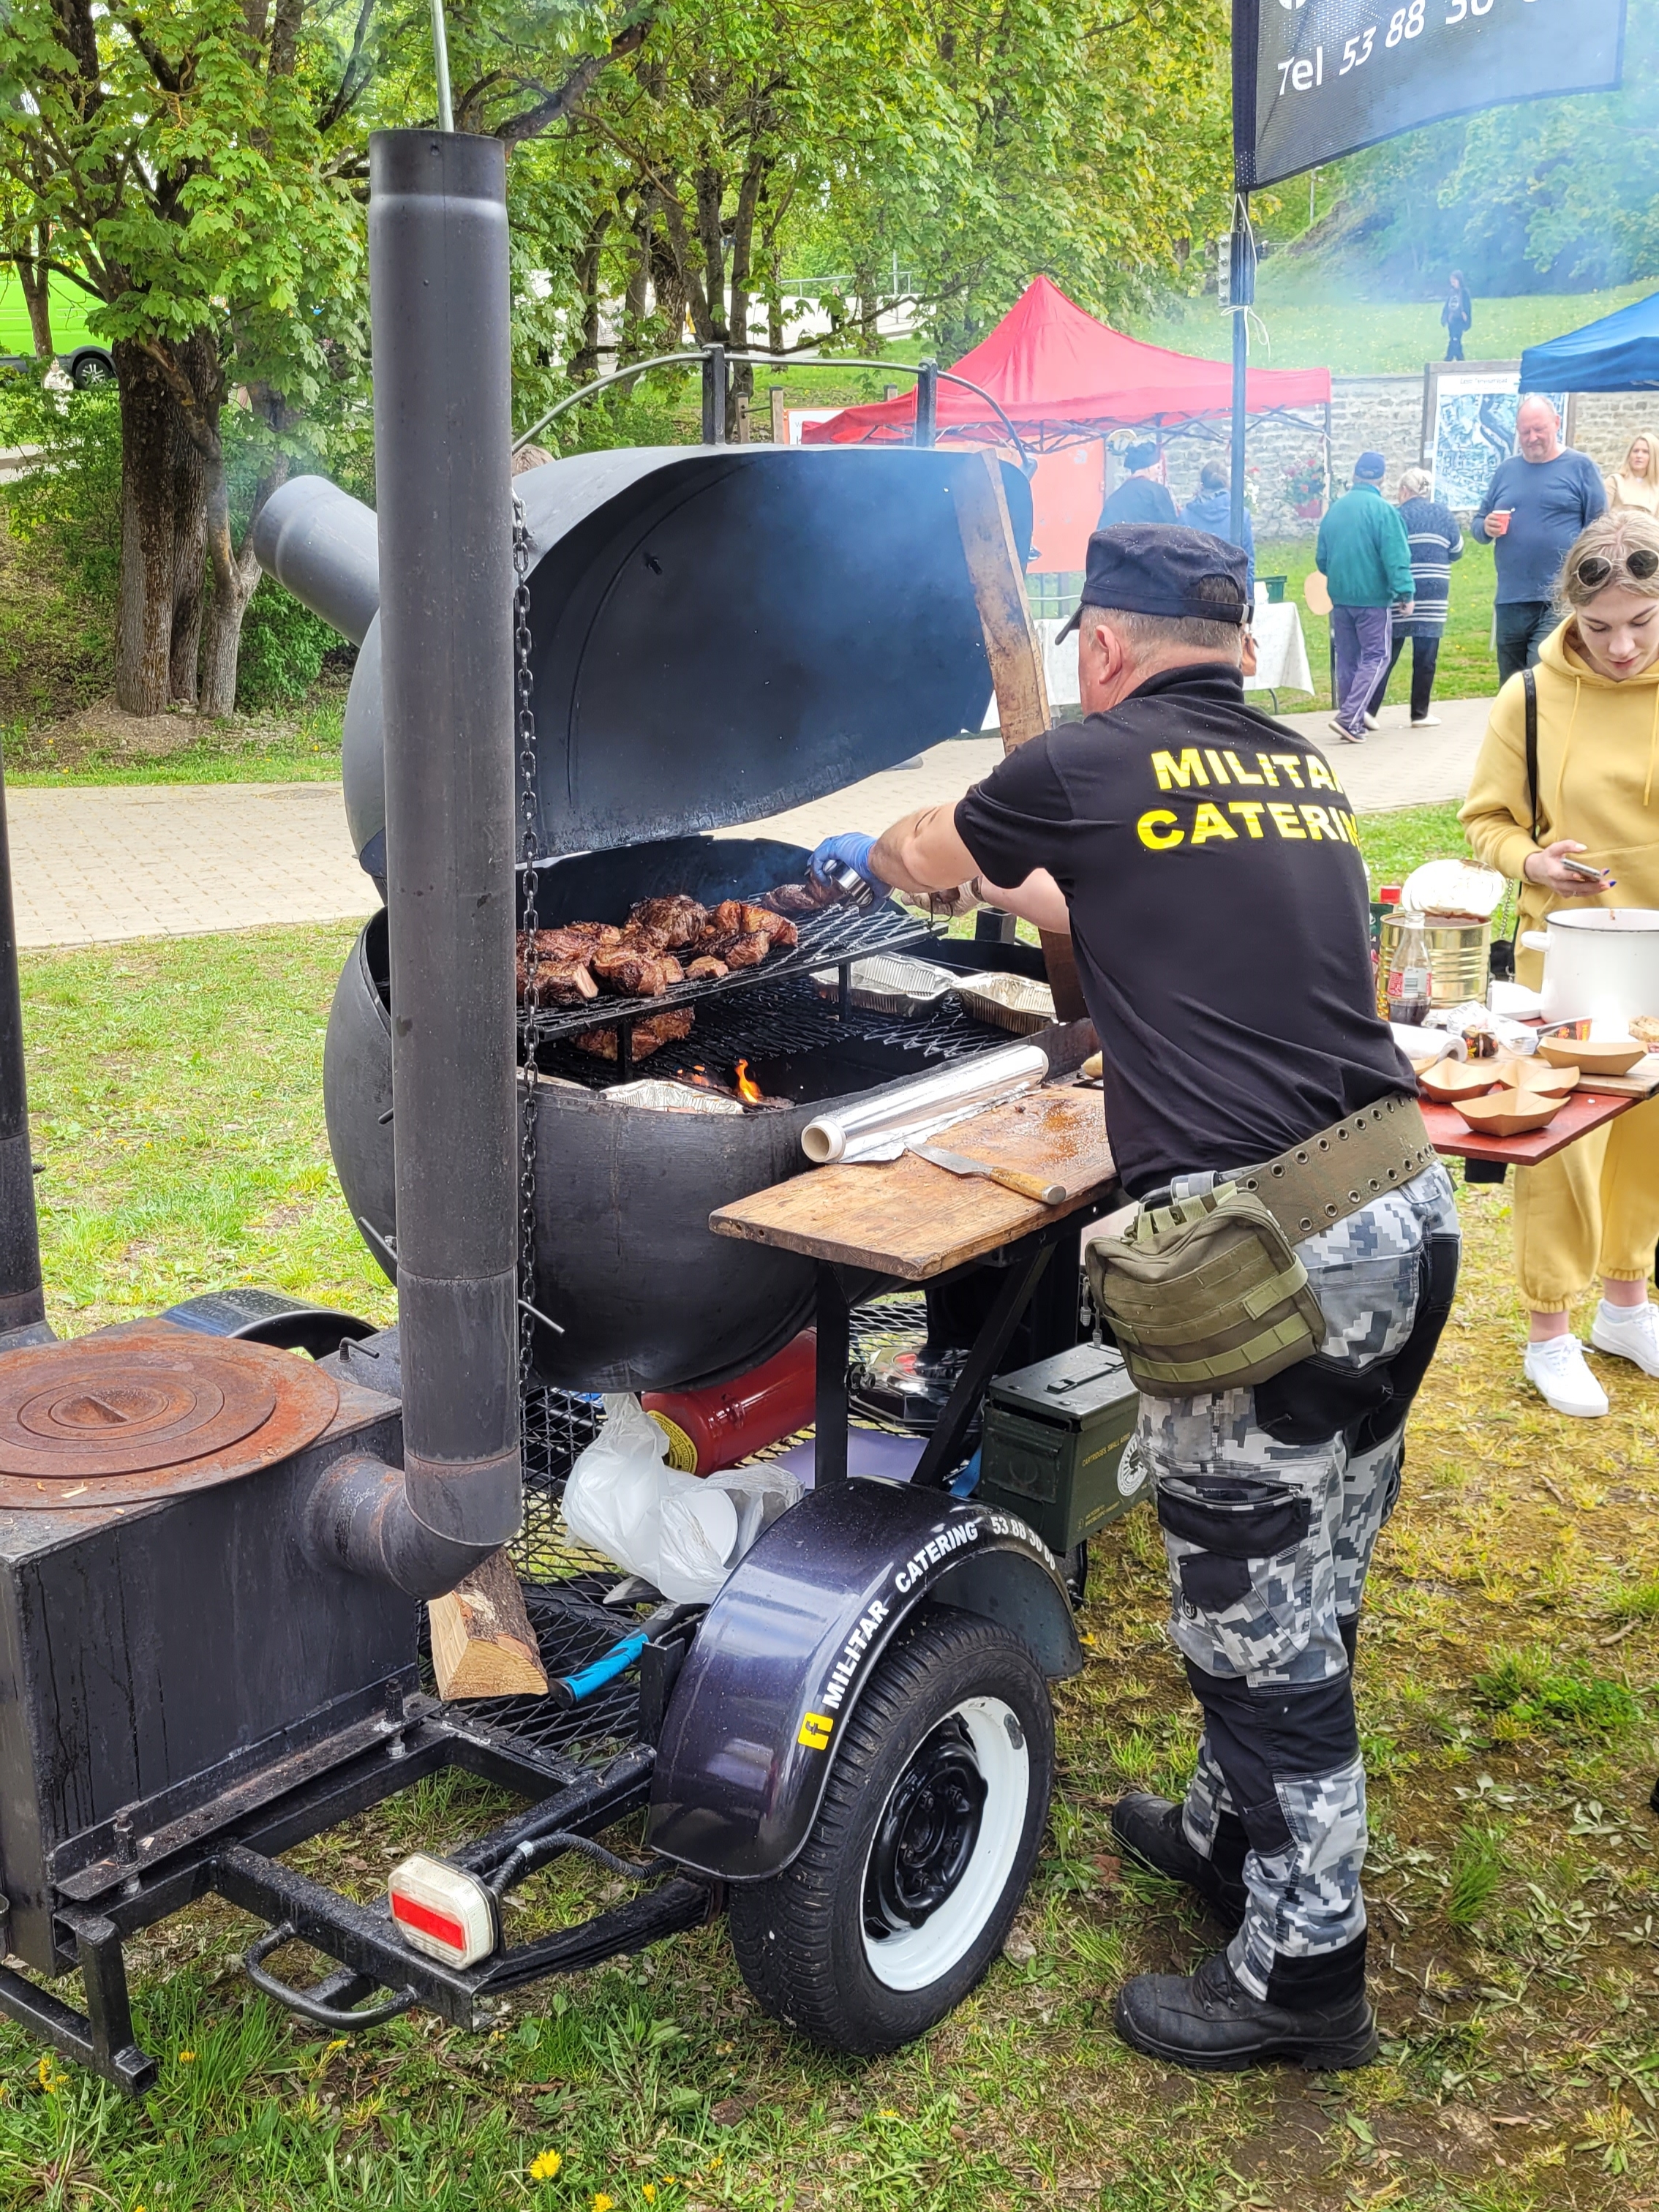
(1410, 978)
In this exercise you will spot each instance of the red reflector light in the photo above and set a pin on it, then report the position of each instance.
(414, 1914)
(443, 1910)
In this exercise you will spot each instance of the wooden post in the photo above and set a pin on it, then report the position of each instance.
(1015, 652)
(483, 1644)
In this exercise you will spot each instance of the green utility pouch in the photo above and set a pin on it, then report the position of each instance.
(1204, 1294)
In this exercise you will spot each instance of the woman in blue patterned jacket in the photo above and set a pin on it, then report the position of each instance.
(1435, 541)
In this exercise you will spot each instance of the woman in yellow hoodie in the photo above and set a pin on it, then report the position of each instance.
(1594, 1209)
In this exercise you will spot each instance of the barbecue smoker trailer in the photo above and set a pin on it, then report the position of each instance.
(214, 1530)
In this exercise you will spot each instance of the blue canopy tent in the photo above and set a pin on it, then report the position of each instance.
(1619, 353)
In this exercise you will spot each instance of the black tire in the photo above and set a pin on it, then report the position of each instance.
(92, 370)
(934, 1706)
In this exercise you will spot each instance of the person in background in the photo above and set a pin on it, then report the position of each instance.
(1457, 314)
(1211, 509)
(1536, 504)
(1140, 497)
(1435, 541)
(1594, 1208)
(1637, 484)
(1366, 560)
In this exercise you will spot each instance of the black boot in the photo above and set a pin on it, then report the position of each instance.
(1210, 2021)
(1149, 1829)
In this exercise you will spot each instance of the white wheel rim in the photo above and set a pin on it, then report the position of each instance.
(912, 1958)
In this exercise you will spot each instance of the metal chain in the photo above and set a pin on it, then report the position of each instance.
(525, 730)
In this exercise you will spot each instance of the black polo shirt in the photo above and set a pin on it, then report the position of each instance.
(1219, 911)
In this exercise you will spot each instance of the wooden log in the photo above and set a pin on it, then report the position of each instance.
(483, 1644)
(1015, 652)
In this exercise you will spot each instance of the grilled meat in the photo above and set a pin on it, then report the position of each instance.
(777, 929)
(555, 982)
(725, 919)
(576, 941)
(746, 949)
(650, 1033)
(635, 973)
(705, 968)
(800, 898)
(667, 923)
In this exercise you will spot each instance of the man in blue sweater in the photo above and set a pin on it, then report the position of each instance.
(1536, 504)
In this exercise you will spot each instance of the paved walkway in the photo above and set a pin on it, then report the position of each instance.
(100, 861)
(1396, 766)
(94, 863)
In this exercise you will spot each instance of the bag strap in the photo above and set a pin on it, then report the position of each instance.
(1529, 684)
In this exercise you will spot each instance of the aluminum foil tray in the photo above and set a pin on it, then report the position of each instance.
(890, 985)
(1012, 1002)
(670, 1097)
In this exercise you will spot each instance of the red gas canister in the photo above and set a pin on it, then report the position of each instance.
(707, 1430)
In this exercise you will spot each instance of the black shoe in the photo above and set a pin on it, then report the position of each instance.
(1149, 1829)
(1210, 2021)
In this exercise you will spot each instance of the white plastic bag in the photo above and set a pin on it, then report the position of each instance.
(682, 1533)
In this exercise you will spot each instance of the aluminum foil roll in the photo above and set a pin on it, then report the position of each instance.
(879, 1127)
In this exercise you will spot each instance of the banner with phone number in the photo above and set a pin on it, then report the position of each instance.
(1315, 79)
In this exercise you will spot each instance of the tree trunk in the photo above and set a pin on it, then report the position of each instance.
(144, 602)
(710, 195)
(774, 311)
(34, 280)
(741, 387)
(235, 578)
(585, 361)
(189, 496)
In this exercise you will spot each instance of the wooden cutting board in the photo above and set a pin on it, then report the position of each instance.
(908, 1218)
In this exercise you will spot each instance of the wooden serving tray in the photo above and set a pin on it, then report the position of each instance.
(908, 1218)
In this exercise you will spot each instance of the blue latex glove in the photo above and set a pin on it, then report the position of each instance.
(853, 849)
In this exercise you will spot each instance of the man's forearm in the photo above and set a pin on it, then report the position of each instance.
(922, 853)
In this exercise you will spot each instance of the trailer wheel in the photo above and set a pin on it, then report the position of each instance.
(921, 1850)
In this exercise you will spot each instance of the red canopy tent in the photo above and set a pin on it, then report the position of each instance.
(1062, 377)
(1065, 381)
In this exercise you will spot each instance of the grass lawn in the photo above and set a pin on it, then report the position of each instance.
(1467, 668)
(1506, 1687)
(105, 746)
(1365, 337)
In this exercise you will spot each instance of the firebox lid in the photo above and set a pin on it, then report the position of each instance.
(724, 632)
(142, 1412)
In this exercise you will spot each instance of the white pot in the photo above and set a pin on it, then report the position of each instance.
(1600, 962)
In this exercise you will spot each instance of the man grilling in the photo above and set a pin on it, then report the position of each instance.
(1204, 859)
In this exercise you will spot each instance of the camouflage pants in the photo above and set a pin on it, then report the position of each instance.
(1268, 1545)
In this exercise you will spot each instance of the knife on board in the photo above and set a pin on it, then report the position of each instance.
(1028, 1186)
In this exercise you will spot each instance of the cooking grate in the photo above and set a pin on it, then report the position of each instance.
(772, 1021)
(833, 936)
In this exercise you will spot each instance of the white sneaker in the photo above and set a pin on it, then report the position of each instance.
(1371, 722)
(1557, 1369)
(1629, 1333)
(1426, 721)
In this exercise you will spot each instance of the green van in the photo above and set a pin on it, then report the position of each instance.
(86, 359)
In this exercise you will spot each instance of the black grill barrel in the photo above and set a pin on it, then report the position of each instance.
(22, 1303)
(438, 297)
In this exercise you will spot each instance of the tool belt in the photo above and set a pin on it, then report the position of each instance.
(1202, 1287)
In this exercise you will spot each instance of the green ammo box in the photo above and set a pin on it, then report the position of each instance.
(1054, 1442)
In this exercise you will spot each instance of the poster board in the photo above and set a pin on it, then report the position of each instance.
(1312, 83)
(1468, 425)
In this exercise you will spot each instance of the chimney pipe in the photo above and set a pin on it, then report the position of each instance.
(438, 298)
(22, 1301)
(322, 544)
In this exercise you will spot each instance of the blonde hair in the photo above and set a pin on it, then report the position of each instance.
(1415, 484)
(1649, 439)
(1614, 537)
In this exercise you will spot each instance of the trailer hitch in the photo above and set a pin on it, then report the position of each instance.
(334, 2002)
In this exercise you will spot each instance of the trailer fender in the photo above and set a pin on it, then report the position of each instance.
(783, 1653)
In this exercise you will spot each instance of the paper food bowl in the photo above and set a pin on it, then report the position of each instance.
(1534, 1075)
(1509, 1113)
(1449, 1080)
(1591, 1055)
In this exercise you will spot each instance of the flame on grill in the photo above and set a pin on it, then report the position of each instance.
(748, 1089)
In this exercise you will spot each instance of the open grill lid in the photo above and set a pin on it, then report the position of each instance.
(719, 632)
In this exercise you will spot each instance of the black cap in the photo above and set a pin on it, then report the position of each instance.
(1156, 568)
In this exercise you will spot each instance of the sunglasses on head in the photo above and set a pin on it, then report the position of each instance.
(1595, 569)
